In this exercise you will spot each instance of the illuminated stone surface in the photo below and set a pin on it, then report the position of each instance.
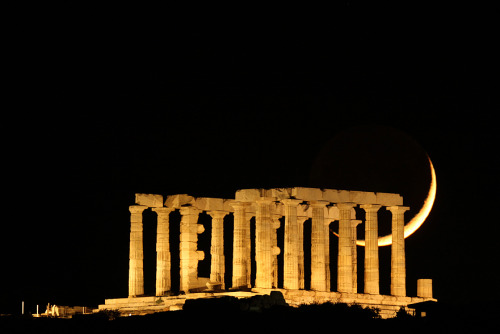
(268, 206)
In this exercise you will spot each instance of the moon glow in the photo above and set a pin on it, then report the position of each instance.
(418, 219)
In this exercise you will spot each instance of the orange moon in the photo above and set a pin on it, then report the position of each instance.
(418, 219)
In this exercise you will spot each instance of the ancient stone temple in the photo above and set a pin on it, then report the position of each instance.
(269, 208)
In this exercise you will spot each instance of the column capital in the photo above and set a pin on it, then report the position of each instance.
(397, 209)
(162, 210)
(137, 208)
(370, 207)
(355, 222)
(318, 204)
(189, 210)
(240, 205)
(345, 205)
(265, 199)
(291, 201)
(217, 214)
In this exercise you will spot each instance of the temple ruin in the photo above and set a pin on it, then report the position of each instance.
(267, 207)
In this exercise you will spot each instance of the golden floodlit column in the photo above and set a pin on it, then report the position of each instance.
(240, 244)
(163, 282)
(136, 271)
(291, 246)
(345, 255)
(263, 246)
(371, 249)
(300, 224)
(275, 250)
(188, 247)
(354, 255)
(319, 238)
(217, 268)
(398, 265)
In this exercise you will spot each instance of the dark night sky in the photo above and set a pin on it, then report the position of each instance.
(106, 108)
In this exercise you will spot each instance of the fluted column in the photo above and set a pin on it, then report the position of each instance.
(371, 277)
(291, 245)
(217, 268)
(345, 255)
(189, 253)
(354, 255)
(163, 281)
(300, 224)
(398, 265)
(263, 245)
(136, 258)
(241, 244)
(319, 239)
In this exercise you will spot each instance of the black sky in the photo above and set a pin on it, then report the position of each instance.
(105, 108)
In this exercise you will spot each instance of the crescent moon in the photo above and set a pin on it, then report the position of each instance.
(419, 218)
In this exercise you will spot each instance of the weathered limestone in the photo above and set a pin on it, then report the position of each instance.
(189, 253)
(241, 241)
(136, 258)
(263, 247)
(398, 265)
(217, 268)
(354, 223)
(163, 281)
(371, 278)
(291, 246)
(270, 206)
(345, 255)
(424, 288)
(149, 200)
(320, 257)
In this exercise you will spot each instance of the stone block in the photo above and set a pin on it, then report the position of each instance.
(362, 197)
(307, 194)
(281, 193)
(149, 200)
(247, 195)
(336, 196)
(388, 199)
(209, 204)
(176, 201)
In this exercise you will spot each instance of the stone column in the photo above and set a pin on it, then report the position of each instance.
(371, 249)
(163, 282)
(345, 255)
(354, 255)
(275, 250)
(300, 224)
(263, 246)
(424, 288)
(319, 238)
(136, 271)
(241, 243)
(217, 268)
(398, 265)
(291, 246)
(188, 248)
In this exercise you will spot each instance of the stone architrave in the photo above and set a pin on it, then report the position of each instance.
(263, 243)
(188, 248)
(371, 277)
(354, 255)
(320, 259)
(136, 271)
(345, 254)
(217, 267)
(291, 246)
(241, 243)
(398, 265)
(163, 264)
